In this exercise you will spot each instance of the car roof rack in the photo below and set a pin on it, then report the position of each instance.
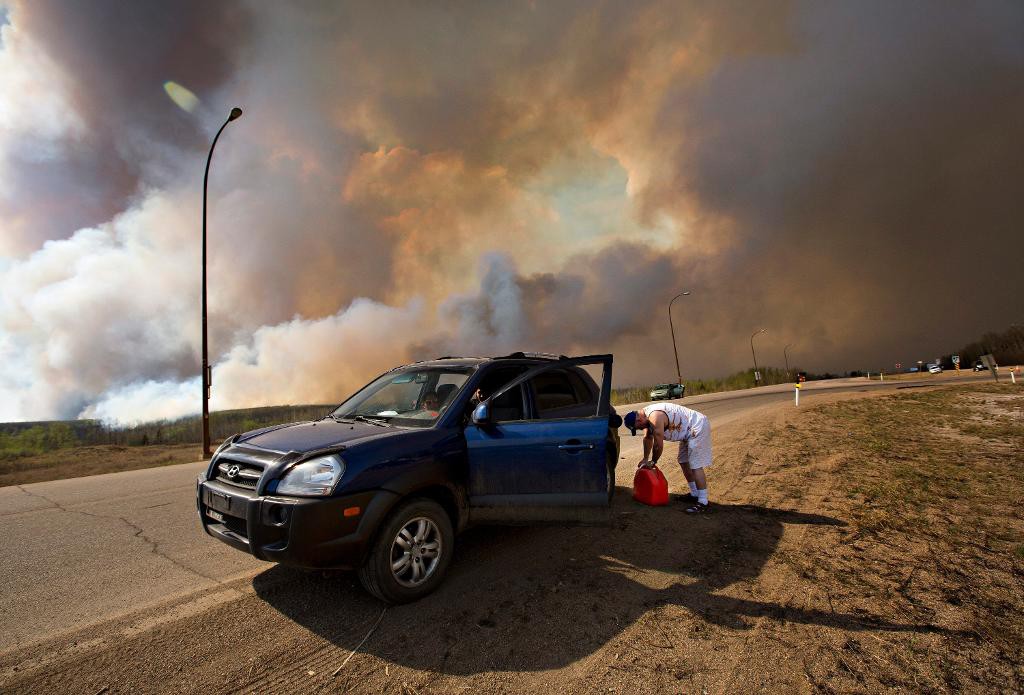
(535, 355)
(434, 359)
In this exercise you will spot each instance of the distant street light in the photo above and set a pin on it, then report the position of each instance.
(679, 376)
(785, 356)
(235, 113)
(757, 375)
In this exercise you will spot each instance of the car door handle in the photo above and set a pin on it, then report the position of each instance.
(575, 447)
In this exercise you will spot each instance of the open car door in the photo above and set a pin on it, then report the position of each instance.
(553, 458)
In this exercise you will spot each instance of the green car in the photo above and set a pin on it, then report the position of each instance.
(666, 391)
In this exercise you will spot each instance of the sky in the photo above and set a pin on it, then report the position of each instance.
(411, 180)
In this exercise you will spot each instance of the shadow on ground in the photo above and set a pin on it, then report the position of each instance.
(530, 599)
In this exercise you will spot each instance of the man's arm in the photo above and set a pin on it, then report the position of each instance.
(654, 438)
(656, 430)
(659, 443)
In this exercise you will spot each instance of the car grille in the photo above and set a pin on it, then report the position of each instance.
(236, 525)
(245, 473)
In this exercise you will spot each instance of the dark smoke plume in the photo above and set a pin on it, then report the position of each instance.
(411, 180)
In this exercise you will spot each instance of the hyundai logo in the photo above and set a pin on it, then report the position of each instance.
(233, 471)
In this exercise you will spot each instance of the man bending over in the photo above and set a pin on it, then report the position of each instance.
(676, 423)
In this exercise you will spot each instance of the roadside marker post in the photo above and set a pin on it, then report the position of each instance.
(796, 393)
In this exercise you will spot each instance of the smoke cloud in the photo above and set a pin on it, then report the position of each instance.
(410, 181)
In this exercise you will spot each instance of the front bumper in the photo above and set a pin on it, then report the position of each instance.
(298, 531)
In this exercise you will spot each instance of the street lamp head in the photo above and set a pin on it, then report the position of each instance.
(235, 113)
(686, 293)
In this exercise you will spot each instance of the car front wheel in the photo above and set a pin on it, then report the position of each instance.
(411, 554)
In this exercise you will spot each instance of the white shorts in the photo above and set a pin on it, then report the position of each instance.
(696, 451)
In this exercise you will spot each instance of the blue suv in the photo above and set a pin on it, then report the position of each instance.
(384, 482)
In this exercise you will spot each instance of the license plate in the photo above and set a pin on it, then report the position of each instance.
(219, 501)
(216, 516)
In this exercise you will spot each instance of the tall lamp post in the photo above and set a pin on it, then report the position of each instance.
(785, 356)
(757, 375)
(675, 351)
(235, 113)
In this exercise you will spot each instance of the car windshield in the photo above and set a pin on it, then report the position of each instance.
(663, 386)
(410, 397)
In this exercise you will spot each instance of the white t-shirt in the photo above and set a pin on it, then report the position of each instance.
(682, 422)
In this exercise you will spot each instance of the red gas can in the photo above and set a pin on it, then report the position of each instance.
(650, 487)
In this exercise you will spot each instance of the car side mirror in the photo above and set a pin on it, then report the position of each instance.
(481, 414)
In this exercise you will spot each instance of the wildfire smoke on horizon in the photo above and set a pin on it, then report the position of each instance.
(409, 181)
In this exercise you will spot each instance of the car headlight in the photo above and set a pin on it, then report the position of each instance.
(314, 478)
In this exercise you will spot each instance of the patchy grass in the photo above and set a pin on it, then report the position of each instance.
(92, 460)
(931, 484)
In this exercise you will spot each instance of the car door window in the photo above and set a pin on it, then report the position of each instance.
(562, 394)
(509, 405)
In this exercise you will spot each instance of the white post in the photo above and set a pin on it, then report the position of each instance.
(869, 376)
(881, 376)
(796, 394)
(1012, 377)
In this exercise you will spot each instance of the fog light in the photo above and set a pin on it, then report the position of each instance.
(352, 511)
(279, 515)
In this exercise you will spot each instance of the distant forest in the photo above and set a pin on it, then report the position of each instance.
(1007, 347)
(30, 438)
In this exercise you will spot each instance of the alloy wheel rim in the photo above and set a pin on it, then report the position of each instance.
(416, 552)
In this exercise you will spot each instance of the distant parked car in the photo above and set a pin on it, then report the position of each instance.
(663, 391)
(934, 369)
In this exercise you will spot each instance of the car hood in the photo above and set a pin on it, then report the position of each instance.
(313, 436)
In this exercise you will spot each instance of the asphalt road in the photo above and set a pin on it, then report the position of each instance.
(84, 550)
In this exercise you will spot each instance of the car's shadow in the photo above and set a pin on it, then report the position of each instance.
(540, 598)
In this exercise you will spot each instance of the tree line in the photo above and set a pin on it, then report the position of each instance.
(1006, 346)
(30, 438)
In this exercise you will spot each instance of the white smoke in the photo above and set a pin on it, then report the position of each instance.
(755, 156)
(298, 362)
(96, 311)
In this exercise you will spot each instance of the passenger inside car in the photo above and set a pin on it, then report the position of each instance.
(430, 403)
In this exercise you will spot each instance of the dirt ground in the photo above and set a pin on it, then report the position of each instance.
(869, 544)
(92, 460)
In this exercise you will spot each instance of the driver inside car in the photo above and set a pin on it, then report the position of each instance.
(431, 404)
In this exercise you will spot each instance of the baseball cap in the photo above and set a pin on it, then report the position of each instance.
(630, 421)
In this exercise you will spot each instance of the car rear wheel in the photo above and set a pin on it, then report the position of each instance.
(411, 554)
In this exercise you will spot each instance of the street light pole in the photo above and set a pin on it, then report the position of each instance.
(756, 374)
(785, 356)
(235, 113)
(675, 351)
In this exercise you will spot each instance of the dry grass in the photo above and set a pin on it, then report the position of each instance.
(931, 484)
(92, 460)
